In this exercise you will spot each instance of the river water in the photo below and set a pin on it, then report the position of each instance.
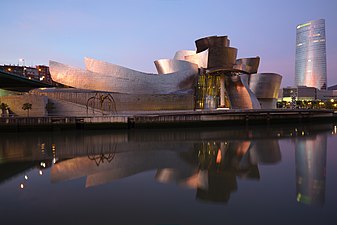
(232, 175)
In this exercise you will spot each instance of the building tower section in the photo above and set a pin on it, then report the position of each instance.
(310, 62)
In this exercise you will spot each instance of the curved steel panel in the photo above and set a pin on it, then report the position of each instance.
(180, 55)
(166, 66)
(207, 42)
(265, 85)
(202, 44)
(106, 68)
(221, 57)
(239, 95)
(248, 65)
(108, 77)
(201, 59)
(219, 41)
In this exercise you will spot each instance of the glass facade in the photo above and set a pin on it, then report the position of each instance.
(208, 92)
(310, 68)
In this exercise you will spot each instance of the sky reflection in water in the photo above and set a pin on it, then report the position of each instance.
(257, 175)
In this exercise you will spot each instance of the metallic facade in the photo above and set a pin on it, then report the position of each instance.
(265, 86)
(212, 71)
(103, 76)
(166, 66)
(201, 59)
(310, 68)
(240, 96)
(249, 65)
(227, 90)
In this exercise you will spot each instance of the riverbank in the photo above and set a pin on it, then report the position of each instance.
(169, 119)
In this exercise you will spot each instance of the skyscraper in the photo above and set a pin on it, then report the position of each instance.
(310, 68)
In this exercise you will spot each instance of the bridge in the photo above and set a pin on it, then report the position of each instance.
(13, 82)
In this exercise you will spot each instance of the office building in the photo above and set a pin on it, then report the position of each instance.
(310, 62)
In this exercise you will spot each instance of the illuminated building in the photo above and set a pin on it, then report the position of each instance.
(310, 68)
(210, 77)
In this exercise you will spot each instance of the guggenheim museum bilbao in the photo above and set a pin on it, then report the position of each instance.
(210, 77)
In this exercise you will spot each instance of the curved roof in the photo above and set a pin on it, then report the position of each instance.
(104, 76)
(166, 66)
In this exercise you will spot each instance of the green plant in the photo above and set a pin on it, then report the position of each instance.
(27, 106)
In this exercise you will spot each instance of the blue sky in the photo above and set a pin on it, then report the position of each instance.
(134, 33)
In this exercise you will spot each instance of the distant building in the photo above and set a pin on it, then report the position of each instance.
(40, 72)
(310, 62)
(44, 74)
(299, 93)
(303, 93)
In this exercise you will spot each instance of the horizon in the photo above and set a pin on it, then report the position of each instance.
(139, 33)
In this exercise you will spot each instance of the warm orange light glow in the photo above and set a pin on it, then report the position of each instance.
(218, 157)
(22, 186)
(9, 69)
(192, 181)
(242, 148)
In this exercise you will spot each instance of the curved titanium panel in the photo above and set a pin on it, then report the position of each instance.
(239, 95)
(248, 65)
(166, 66)
(207, 42)
(221, 58)
(180, 55)
(201, 59)
(186, 80)
(219, 41)
(202, 44)
(265, 85)
(112, 78)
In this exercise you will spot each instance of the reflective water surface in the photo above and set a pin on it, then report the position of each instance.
(232, 175)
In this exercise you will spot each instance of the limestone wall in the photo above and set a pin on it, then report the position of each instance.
(15, 103)
(116, 102)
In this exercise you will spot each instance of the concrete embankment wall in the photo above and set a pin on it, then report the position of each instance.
(171, 119)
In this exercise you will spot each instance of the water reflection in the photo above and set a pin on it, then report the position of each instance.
(311, 169)
(207, 160)
(218, 164)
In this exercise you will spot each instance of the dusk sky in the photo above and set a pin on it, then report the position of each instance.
(134, 33)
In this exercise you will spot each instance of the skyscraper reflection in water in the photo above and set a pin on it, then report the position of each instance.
(310, 154)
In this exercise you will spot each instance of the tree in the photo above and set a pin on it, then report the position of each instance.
(27, 106)
(3, 107)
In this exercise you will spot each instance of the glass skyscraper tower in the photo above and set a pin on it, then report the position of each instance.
(310, 68)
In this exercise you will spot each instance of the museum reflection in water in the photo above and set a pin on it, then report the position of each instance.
(209, 161)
